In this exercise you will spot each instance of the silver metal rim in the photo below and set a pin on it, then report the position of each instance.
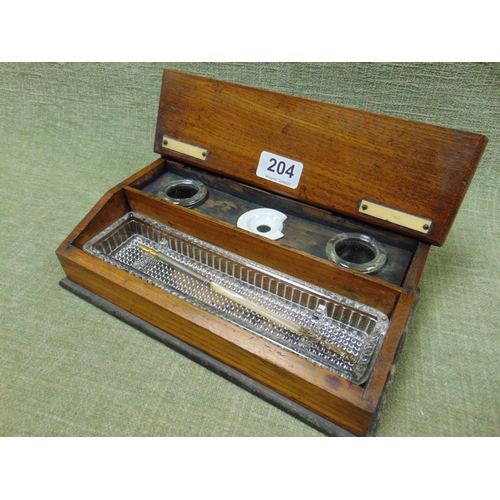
(199, 196)
(371, 266)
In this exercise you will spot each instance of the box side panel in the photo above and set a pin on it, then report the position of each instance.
(311, 386)
(364, 289)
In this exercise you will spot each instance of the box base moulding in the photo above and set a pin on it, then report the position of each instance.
(234, 376)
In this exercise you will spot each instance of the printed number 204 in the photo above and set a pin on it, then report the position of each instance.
(280, 167)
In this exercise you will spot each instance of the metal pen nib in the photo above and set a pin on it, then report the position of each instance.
(173, 263)
(239, 299)
(148, 250)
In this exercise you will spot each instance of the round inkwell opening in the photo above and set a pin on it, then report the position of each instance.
(263, 229)
(181, 192)
(356, 251)
(184, 192)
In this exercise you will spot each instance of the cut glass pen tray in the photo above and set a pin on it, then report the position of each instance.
(347, 335)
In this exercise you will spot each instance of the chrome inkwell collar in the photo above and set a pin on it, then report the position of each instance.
(184, 192)
(358, 252)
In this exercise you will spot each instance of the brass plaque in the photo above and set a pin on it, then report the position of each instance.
(394, 216)
(184, 148)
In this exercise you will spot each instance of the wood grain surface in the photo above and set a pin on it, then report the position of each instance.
(348, 155)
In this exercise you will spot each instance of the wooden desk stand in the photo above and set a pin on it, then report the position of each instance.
(397, 181)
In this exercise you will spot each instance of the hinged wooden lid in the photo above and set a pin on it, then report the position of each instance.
(407, 176)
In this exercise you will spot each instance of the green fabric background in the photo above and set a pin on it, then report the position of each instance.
(69, 132)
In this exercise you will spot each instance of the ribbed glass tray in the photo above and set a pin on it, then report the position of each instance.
(337, 333)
